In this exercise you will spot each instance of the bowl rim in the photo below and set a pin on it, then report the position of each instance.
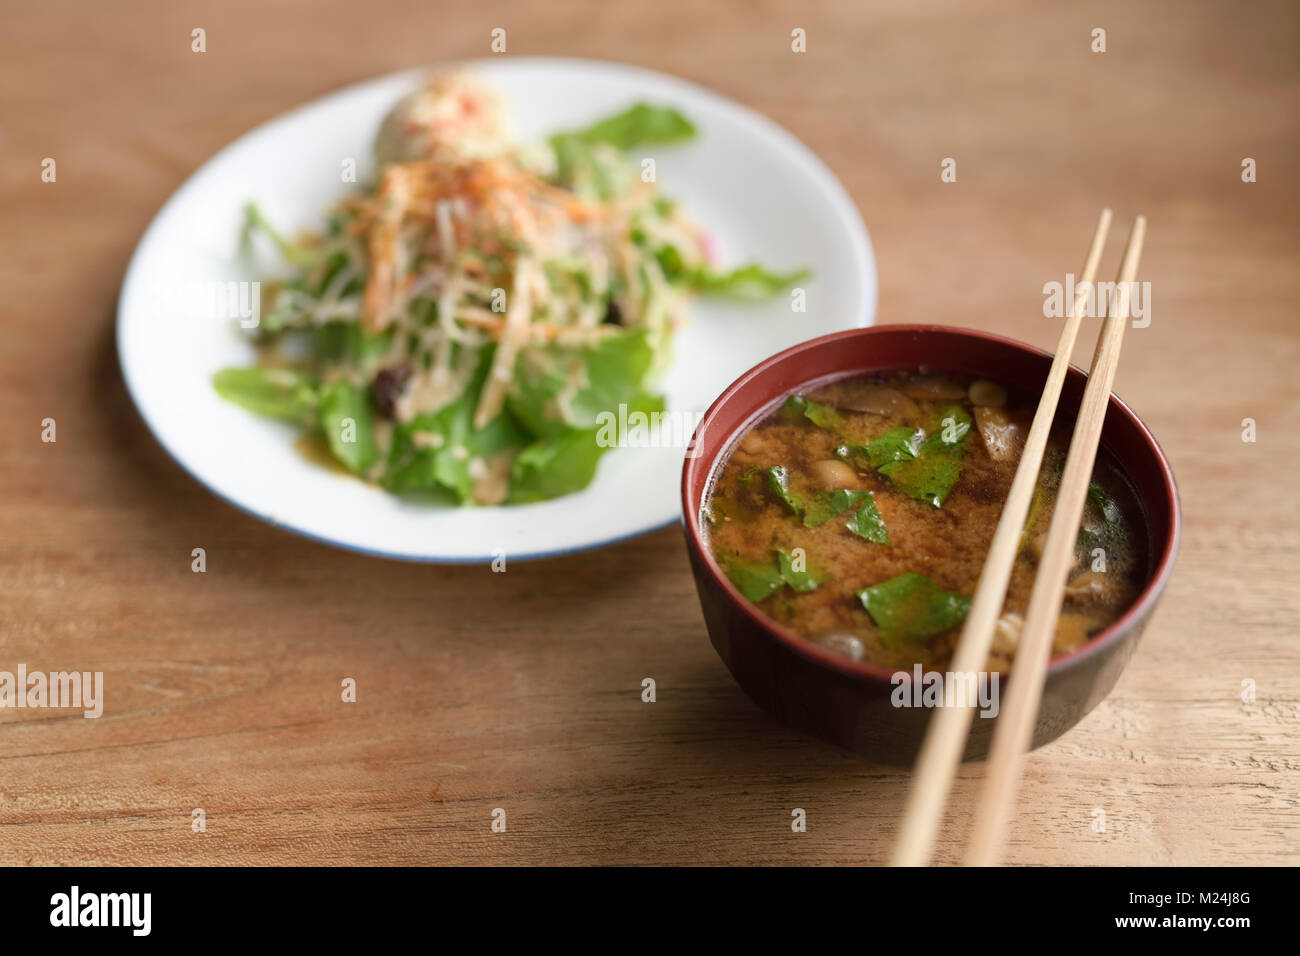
(805, 648)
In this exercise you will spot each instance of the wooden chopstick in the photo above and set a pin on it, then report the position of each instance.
(1019, 711)
(946, 735)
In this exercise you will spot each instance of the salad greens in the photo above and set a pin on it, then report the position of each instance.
(547, 400)
(639, 125)
(465, 324)
(751, 283)
(273, 392)
(349, 425)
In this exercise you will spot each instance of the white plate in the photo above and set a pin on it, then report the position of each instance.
(760, 192)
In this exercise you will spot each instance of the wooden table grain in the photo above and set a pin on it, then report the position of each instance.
(522, 691)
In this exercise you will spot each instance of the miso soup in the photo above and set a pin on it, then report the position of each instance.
(859, 514)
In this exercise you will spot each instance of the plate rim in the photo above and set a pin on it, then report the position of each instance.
(862, 252)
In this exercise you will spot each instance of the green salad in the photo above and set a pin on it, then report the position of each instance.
(460, 325)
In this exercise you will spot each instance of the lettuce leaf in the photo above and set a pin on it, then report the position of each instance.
(554, 466)
(347, 418)
(589, 161)
(275, 392)
(346, 342)
(639, 124)
(292, 252)
(433, 451)
(749, 283)
(594, 171)
(418, 466)
(542, 395)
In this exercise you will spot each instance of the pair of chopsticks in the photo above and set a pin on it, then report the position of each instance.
(946, 735)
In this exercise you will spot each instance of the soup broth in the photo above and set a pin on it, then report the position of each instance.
(860, 512)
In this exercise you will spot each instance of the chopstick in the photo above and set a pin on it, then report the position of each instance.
(946, 734)
(1019, 712)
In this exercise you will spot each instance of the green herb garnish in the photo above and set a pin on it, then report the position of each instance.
(804, 578)
(911, 607)
(778, 482)
(756, 580)
(900, 444)
(1101, 509)
(866, 522)
(830, 504)
(823, 416)
(932, 473)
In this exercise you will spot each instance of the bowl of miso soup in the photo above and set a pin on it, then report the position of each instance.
(839, 503)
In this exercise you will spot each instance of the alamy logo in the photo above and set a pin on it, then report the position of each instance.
(951, 689)
(103, 909)
(638, 429)
(1100, 299)
(83, 689)
(209, 300)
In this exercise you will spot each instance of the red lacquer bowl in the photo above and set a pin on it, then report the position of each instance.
(849, 703)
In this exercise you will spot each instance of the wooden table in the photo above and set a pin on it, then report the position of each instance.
(522, 690)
